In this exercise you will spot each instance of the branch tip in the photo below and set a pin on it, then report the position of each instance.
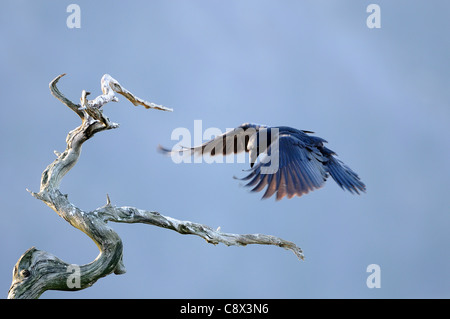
(56, 93)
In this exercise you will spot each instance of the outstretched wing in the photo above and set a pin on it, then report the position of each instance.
(300, 169)
(344, 176)
(232, 142)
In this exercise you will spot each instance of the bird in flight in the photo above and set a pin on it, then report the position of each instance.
(288, 161)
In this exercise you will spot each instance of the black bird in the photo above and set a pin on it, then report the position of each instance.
(292, 162)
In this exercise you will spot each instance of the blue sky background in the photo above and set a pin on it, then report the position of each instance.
(379, 96)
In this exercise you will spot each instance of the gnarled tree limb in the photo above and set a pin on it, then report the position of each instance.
(38, 271)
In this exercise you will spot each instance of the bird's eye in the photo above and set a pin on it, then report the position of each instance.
(25, 273)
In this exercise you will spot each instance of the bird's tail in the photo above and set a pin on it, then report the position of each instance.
(344, 176)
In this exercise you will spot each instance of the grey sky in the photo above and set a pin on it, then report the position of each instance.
(379, 96)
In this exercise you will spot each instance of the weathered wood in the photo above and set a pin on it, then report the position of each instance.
(38, 271)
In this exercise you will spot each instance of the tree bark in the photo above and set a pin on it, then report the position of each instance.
(38, 271)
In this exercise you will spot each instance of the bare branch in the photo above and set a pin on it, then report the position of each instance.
(135, 215)
(56, 93)
(110, 85)
(37, 271)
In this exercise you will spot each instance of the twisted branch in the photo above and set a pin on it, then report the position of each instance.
(38, 271)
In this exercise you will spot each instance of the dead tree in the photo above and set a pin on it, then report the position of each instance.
(37, 271)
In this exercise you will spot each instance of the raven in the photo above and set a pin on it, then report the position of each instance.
(292, 162)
